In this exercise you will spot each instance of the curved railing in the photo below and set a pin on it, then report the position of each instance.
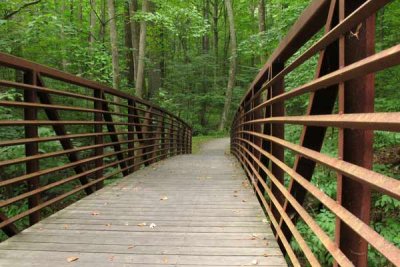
(341, 97)
(62, 136)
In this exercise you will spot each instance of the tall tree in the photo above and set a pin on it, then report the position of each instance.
(261, 25)
(232, 67)
(114, 47)
(206, 50)
(135, 29)
(92, 24)
(142, 51)
(62, 36)
(129, 47)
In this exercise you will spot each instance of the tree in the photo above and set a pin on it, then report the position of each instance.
(232, 67)
(142, 52)
(114, 47)
(261, 24)
(130, 58)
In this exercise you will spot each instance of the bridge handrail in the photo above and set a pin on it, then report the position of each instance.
(102, 132)
(341, 97)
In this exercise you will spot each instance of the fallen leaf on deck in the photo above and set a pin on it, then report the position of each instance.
(254, 262)
(153, 225)
(72, 258)
(142, 224)
(235, 195)
(243, 200)
(164, 198)
(66, 226)
(95, 213)
(131, 247)
(254, 237)
(108, 224)
(165, 260)
(265, 255)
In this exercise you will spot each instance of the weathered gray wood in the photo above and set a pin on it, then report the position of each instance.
(204, 209)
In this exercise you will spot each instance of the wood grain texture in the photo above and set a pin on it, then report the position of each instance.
(205, 213)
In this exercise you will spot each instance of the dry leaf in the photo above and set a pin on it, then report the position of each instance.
(165, 260)
(95, 213)
(108, 224)
(131, 247)
(153, 225)
(254, 237)
(72, 258)
(164, 198)
(265, 255)
(235, 195)
(254, 262)
(66, 226)
(142, 224)
(243, 200)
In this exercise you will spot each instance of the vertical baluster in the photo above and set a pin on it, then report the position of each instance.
(164, 150)
(32, 149)
(171, 136)
(98, 139)
(131, 135)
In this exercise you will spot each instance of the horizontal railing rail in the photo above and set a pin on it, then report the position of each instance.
(341, 97)
(62, 136)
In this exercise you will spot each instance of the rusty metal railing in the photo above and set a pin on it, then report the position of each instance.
(341, 96)
(74, 134)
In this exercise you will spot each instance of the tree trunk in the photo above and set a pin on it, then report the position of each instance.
(135, 29)
(92, 24)
(216, 40)
(232, 67)
(102, 33)
(206, 50)
(114, 48)
(261, 26)
(142, 52)
(129, 48)
(62, 36)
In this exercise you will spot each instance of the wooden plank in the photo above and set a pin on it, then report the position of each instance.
(204, 209)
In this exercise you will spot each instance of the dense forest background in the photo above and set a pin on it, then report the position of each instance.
(180, 54)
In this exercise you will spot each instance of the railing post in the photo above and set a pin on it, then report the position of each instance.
(98, 139)
(146, 153)
(357, 144)
(190, 141)
(157, 136)
(277, 130)
(131, 135)
(164, 151)
(172, 136)
(181, 139)
(32, 149)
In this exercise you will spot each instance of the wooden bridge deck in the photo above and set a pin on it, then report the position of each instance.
(203, 210)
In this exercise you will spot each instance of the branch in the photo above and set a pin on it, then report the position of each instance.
(8, 16)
